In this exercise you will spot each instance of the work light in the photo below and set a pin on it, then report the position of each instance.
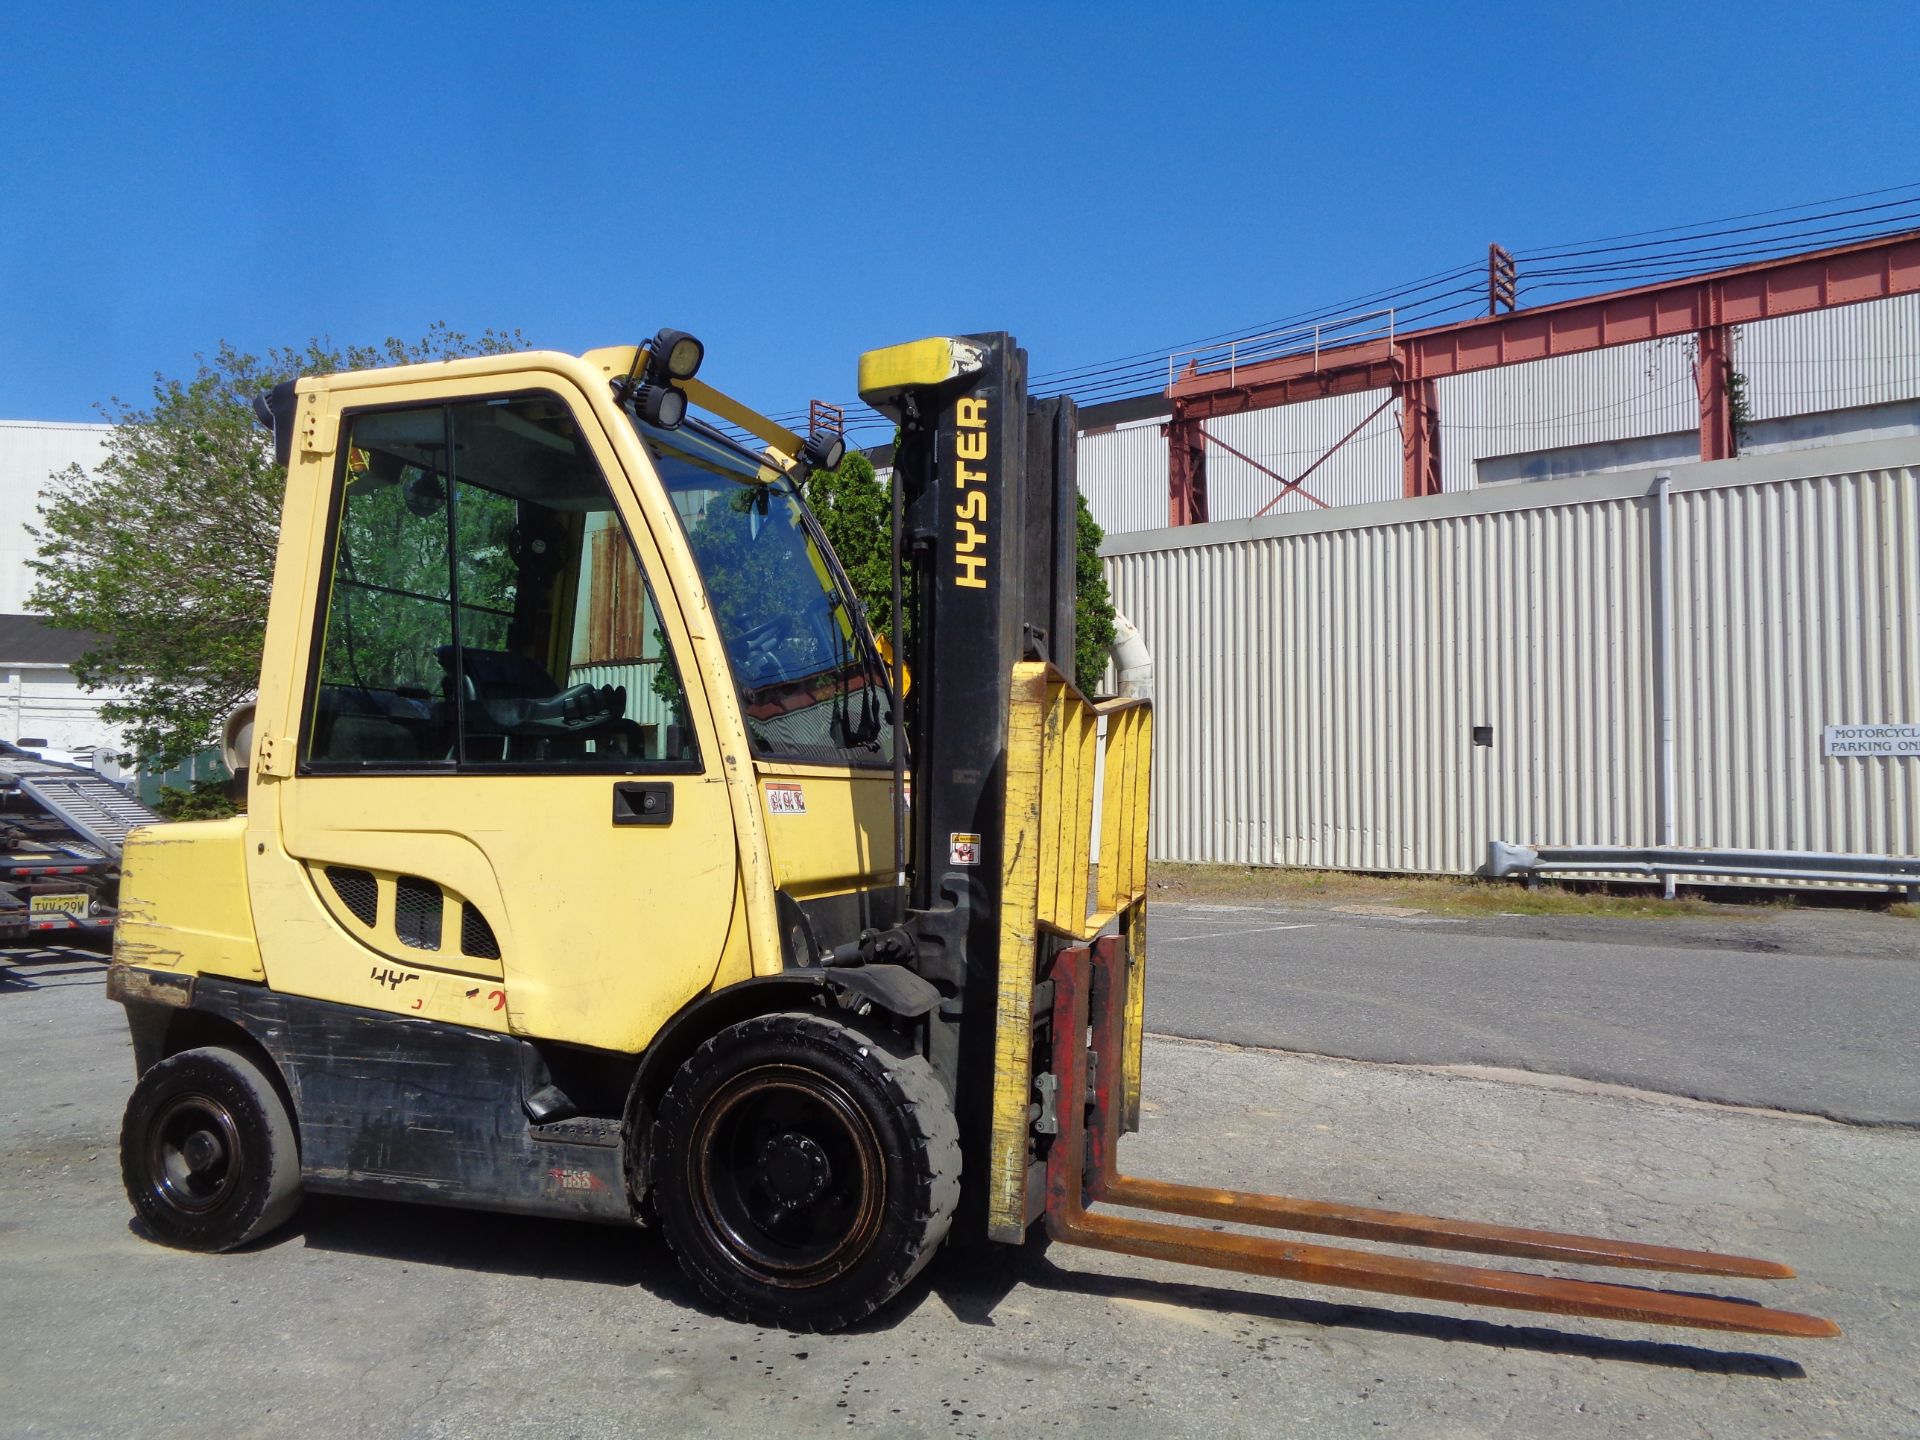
(823, 450)
(661, 405)
(674, 355)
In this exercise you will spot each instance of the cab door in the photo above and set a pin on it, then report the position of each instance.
(507, 808)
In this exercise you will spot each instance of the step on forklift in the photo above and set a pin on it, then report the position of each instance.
(598, 862)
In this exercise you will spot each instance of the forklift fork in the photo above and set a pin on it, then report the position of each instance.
(1082, 1171)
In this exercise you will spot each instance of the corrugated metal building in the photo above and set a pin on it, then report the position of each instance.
(1319, 676)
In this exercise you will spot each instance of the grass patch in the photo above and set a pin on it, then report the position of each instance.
(1905, 911)
(1436, 895)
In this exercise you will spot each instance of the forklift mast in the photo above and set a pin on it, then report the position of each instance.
(984, 479)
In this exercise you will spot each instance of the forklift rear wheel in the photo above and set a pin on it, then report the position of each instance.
(803, 1170)
(208, 1152)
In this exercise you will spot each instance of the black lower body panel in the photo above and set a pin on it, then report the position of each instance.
(409, 1109)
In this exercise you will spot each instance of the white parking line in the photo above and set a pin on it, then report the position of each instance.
(1218, 934)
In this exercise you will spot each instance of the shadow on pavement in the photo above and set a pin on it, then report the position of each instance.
(1043, 1274)
(495, 1244)
(24, 970)
(971, 1283)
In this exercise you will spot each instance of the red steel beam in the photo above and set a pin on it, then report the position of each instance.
(1844, 275)
(1712, 377)
(1419, 440)
(1186, 473)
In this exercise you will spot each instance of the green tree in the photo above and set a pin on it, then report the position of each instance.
(853, 507)
(1092, 601)
(165, 550)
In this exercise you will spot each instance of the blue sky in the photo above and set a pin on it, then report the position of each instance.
(797, 183)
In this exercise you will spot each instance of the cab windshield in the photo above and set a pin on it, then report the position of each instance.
(810, 686)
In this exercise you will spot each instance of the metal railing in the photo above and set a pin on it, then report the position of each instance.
(1896, 872)
(1282, 344)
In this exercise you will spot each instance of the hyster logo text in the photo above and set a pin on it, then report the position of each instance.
(970, 515)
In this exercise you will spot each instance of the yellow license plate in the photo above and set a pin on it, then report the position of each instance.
(57, 904)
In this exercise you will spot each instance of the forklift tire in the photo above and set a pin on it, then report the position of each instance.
(804, 1171)
(207, 1151)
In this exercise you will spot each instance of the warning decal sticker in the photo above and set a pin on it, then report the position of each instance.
(963, 849)
(784, 798)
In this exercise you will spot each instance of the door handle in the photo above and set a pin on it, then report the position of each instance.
(643, 802)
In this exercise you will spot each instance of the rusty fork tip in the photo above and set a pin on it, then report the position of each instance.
(1811, 1327)
(1744, 1268)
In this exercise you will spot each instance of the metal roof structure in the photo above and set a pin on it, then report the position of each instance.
(1405, 365)
(29, 640)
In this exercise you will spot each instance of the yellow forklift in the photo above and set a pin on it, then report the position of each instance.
(595, 865)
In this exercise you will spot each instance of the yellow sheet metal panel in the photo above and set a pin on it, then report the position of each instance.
(1053, 781)
(718, 402)
(886, 373)
(1087, 745)
(1020, 880)
(1071, 903)
(604, 931)
(829, 830)
(1053, 749)
(1134, 926)
(183, 901)
(1113, 761)
(1140, 768)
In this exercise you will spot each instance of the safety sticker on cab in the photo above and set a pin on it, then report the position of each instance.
(963, 849)
(785, 799)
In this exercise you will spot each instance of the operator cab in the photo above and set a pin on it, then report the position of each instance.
(486, 608)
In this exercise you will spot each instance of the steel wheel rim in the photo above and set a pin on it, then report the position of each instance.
(194, 1154)
(789, 1177)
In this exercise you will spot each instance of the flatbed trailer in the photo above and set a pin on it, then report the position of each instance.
(62, 830)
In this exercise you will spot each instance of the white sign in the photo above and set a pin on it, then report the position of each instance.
(1845, 741)
(783, 799)
(963, 849)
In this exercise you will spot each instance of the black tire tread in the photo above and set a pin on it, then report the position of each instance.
(919, 1098)
(280, 1195)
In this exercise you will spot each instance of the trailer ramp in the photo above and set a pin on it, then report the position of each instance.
(91, 806)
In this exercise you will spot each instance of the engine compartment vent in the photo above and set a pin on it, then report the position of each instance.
(476, 936)
(417, 905)
(358, 891)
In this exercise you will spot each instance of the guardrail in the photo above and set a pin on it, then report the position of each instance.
(1656, 861)
(1228, 356)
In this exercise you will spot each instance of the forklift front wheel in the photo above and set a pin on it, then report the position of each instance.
(804, 1171)
(207, 1151)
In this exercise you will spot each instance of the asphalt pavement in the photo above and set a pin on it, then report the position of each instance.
(367, 1318)
(1809, 1011)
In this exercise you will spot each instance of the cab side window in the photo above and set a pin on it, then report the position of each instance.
(487, 609)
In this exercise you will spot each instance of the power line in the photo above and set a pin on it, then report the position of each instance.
(1728, 219)
(1779, 244)
(1713, 234)
(1140, 373)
